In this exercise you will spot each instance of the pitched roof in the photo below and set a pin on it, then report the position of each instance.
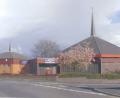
(100, 46)
(13, 55)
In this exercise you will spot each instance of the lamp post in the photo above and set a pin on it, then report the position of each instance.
(6, 60)
(6, 63)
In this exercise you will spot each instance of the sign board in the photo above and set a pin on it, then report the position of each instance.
(50, 60)
(48, 65)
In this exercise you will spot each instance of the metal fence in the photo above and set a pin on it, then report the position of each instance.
(93, 68)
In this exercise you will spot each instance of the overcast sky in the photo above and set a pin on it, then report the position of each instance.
(24, 22)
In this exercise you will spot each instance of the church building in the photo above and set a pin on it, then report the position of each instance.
(107, 55)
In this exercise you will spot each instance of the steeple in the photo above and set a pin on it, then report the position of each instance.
(9, 47)
(92, 25)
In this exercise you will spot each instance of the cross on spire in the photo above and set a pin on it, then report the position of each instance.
(92, 25)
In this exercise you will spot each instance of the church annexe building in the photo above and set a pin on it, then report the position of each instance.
(12, 63)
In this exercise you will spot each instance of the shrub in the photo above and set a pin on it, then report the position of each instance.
(90, 75)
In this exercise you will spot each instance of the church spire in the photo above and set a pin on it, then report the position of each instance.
(92, 25)
(9, 47)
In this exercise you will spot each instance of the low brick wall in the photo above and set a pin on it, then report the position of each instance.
(110, 67)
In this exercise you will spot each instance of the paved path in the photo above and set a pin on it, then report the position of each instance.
(110, 89)
(83, 80)
(30, 89)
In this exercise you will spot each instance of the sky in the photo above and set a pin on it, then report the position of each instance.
(24, 22)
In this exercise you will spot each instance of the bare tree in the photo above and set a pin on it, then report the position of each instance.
(46, 48)
(77, 56)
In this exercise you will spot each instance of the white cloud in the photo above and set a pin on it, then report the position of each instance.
(3, 11)
(17, 49)
(26, 21)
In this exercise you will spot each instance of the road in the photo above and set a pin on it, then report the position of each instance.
(31, 89)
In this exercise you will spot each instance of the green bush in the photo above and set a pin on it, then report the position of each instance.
(90, 75)
(111, 76)
(78, 74)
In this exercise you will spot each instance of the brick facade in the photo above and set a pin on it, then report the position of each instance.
(110, 67)
(11, 66)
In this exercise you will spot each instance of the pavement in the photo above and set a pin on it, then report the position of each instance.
(109, 89)
(105, 86)
(23, 88)
(83, 80)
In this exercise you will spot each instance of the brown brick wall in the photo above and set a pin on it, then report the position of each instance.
(9, 61)
(110, 67)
